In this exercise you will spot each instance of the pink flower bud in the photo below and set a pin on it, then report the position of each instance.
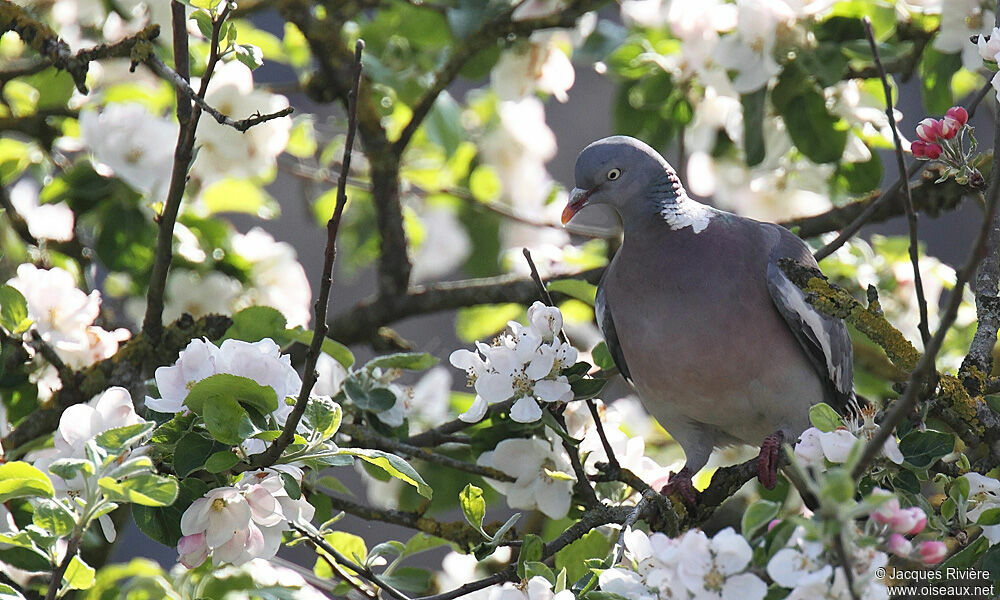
(899, 545)
(959, 114)
(908, 520)
(949, 127)
(773, 524)
(192, 550)
(932, 552)
(885, 513)
(918, 149)
(933, 151)
(929, 129)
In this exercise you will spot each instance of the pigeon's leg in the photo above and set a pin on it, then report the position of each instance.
(767, 462)
(681, 483)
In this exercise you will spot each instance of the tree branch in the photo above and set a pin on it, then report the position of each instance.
(911, 215)
(122, 368)
(44, 40)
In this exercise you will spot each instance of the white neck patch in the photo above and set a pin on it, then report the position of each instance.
(682, 212)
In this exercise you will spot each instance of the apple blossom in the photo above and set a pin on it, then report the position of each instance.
(932, 552)
(962, 20)
(899, 545)
(226, 152)
(522, 366)
(518, 148)
(45, 221)
(959, 114)
(542, 475)
(277, 278)
(133, 144)
(989, 46)
(984, 494)
(192, 550)
(929, 130)
(539, 64)
(536, 588)
(444, 247)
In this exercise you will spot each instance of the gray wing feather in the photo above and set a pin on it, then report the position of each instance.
(606, 324)
(824, 338)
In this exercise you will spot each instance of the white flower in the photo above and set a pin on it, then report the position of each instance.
(331, 376)
(134, 144)
(536, 9)
(795, 567)
(989, 49)
(627, 584)
(226, 152)
(542, 474)
(444, 247)
(81, 423)
(539, 64)
(199, 295)
(260, 361)
(546, 320)
(518, 149)
(519, 366)
(218, 514)
(277, 278)
(63, 315)
(984, 494)
(963, 19)
(749, 50)
(45, 221)
(536, 588)
(713, 569)
(458, 569)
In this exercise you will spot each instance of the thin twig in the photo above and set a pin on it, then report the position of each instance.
(925, 369)
(273, 452)
(362, 571)
(911, 215)
(507, 574)
(364, 436)
(72, 547)
(49, 353)
(152, 322)
(183, 87)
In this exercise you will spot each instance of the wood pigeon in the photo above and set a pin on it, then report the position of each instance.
(721, 347)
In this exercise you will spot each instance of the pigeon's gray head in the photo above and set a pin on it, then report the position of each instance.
(617, 170)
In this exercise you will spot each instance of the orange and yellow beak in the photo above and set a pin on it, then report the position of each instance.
(577, 199)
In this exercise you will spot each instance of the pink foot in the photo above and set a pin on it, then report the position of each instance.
(767, 462)
(680, 482)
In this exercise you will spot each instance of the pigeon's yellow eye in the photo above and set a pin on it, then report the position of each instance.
(614, 174)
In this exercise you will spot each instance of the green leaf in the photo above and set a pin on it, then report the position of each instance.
(412, 580)
(119, 439)
(28, 559)
(412, 361)
(324, 416)
(531, 551)
(753, 125)
(239, 196)
(819, 135)
(228, 421)
(393, 465)
(824, 418)
(147, 490)
(574, 288)
(421, 542)
(338, 351)
(250, 55)
(838, 485)
(221, 461)
(68, 468)
(79, 575)
(9, 593)
(255, 323)
(375, 399)
(473, 506)
(860, 178)
(224, 386)
(52, 516)
(585, 388)
(592, 545)
(602, 357)
(534, 569)
(921, 448)
(990, 516)
(13, 310)
(191, 452)
(18, 479)
(757, 516)
(348, 544)
(164, 524)
(204, 21)
(479, 322)
(936, 70)
(484, 184)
